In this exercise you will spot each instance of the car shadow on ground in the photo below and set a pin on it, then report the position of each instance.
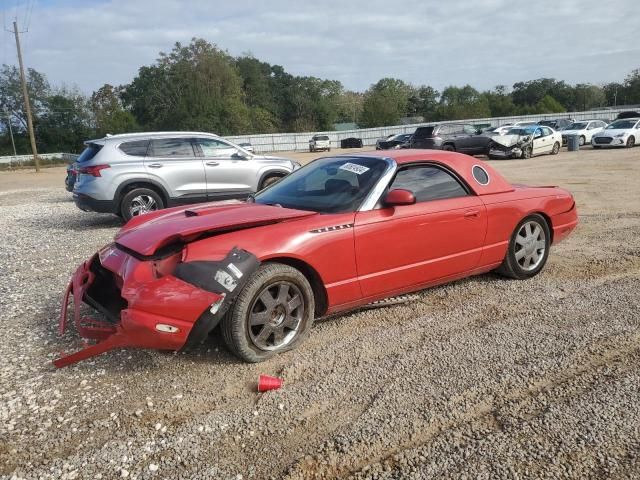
(81, 221)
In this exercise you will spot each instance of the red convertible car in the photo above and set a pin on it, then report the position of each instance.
(337, 234)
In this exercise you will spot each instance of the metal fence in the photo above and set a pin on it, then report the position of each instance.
(22, 159)
(288, 142)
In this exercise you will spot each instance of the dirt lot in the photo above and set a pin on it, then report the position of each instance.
(483, 378)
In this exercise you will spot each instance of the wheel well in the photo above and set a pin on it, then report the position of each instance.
(549, 224)
(276, 173)
(319, 292)
(141, 184)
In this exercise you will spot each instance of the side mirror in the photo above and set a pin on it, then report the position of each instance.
(399, 197)
(241, 155)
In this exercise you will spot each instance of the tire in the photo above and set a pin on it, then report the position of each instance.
(631, 142)
(144, 199)
(526, 152)
(582, 141)
(596, 146)
(251, 343)
(556, 149)
(310, 150)
(448, 148)
(271, 179)
(526, 265)
(328, 149)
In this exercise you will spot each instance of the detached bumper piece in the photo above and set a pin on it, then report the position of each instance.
(143, 308)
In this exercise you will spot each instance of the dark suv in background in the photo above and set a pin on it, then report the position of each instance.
(458, 137)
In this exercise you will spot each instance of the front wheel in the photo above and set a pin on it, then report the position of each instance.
(273, 314)
(448, 148)
(631, 142)
(138, 202)
(527, 152)
(582, 140)
(528, 249)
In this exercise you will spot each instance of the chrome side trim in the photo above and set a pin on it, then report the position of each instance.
(374, 195)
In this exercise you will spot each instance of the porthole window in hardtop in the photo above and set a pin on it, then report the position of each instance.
(480, 174)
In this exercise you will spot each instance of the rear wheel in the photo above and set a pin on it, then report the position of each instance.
(528, 249)
(556, 149)
(273, 314)
(138, 202)
(631, 142)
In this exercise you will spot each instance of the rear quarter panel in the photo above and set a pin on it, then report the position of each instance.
(506, 210)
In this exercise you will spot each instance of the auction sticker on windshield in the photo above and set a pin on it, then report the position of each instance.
(354, 167)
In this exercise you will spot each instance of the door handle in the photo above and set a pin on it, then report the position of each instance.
(472, 214)
(212, 164)
(156, 165)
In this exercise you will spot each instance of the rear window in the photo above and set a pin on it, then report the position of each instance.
(137, 148)
(423, 132)
(89, 152)
(322, 137)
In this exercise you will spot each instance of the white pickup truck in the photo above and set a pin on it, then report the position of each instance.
(320, 142)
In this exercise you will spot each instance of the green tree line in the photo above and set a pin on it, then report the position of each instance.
(201, 87)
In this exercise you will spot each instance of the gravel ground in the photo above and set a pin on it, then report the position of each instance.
(482, 378)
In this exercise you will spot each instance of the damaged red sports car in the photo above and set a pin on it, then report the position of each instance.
(336, 234)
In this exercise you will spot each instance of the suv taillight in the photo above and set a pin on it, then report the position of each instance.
(94, 170)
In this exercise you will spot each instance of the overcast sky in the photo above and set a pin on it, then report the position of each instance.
(439, 43)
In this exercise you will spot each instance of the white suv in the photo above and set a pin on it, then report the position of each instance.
(320, 142)
(132, 174)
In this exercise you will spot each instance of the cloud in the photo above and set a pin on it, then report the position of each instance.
(483, 43)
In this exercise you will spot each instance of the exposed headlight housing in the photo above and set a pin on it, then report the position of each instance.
(624, 134)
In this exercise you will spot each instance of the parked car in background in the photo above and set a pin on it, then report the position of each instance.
(397, 140)
(351, 142)
(557, 124)
(247, 146)
(628, 114)
(525, 142)
(320, 142)
(457, 137)
(133, 174)
(70, 179)
(620, 133)
(503, 129)
(584, 129)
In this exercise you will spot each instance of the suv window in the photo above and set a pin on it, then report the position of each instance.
(469, 130)
(423, 132)
(428, 182)
(137, 148)
(89, 152)
(215, 148)
(172, 147)
(321, 137)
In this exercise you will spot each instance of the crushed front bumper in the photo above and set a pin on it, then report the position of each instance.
(142, 305)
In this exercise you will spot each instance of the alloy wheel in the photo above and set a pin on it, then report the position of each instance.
(142, 204)
(275, 315)
(530, 245)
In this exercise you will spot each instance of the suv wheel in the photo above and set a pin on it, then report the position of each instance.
(449, 148)
(271, 179)
(138, 202)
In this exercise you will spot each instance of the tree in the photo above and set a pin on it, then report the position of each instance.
(193, 87)
(500, 102)
(548, 104)
(385, 103)
(11, 98)
(458, 103)
(108, 114)
(423, 101)
(65, 122)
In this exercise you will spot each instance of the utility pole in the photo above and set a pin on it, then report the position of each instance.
(25, 94)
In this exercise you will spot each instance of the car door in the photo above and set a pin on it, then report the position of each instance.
(465, 138)
(173, 163)
(440, 236)
(542, 141)
(228, 174)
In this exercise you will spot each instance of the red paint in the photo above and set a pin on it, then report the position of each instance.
(373, 255)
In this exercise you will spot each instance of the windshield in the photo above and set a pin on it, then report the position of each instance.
(576, 126)
(326, 185)
(622, 124)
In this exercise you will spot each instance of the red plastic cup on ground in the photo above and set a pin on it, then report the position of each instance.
(265, 382)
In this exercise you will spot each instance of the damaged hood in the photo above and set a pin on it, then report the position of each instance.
(509, 140)
(148, 233)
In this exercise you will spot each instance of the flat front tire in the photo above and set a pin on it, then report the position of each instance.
(273, 314)
(528, 249)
